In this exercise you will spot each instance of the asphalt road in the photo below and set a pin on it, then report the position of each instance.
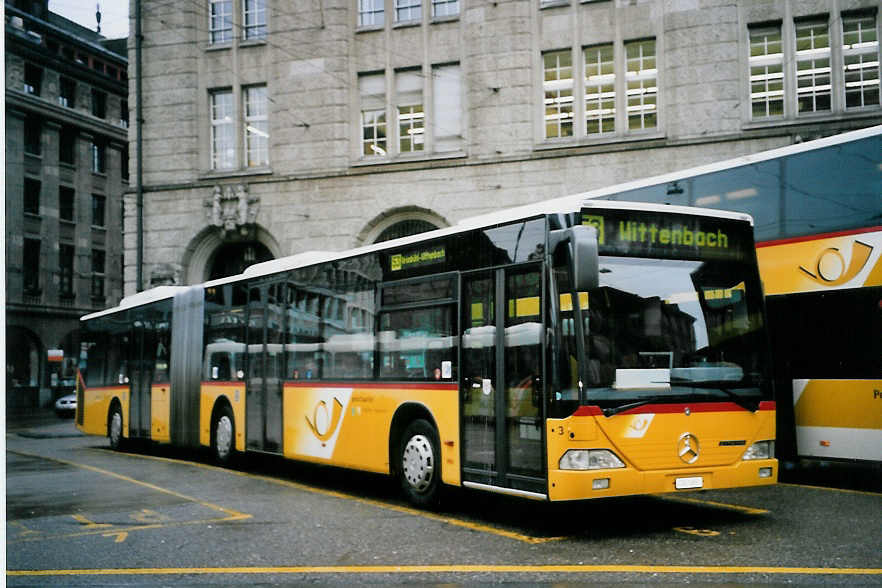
(80, 514)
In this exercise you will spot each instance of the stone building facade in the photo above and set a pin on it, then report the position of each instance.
(272, 128)
(66, 171)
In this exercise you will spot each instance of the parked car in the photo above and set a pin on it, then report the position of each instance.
(66, 406)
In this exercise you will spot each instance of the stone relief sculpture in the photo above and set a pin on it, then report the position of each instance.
(232, 209)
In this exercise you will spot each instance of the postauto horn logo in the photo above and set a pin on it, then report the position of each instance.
(830, 269)
(324, 422)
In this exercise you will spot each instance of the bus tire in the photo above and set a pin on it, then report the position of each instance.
(115, 427)
(418, 464)
(223, 435)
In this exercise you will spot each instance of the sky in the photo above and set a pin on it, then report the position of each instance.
(114, 15)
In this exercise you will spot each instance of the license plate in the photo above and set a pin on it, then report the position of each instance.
(687, 483)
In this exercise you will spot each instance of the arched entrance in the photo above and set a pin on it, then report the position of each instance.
(400, 222)
(211, 254)
(24, 367)
(232, 258)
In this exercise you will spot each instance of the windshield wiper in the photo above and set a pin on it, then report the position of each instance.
(745, 403)
(608, 412)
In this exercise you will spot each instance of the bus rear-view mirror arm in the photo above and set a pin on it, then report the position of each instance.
(582, 241)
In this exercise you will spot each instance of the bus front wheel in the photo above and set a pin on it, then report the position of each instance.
(223, 436)
(418, 468)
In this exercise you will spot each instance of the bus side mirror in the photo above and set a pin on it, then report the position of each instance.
(583, 246)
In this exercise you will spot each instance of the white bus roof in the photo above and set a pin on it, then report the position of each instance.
(565, 204)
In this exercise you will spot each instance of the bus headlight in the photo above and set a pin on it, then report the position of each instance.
(590, 459)
(760, 450)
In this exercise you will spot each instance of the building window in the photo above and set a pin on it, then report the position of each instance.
(124, 163)
(641, 77)
(67, 92)
(32, 190)
(409, 107)
(33, 135)
(220, 25)
(447, 108)
(66, 203)
(99, 104)
(813, 88)
(30, 266)
(372, 93)
(124, 114)
(860, 54)
(99, 204)
(408, 10)
(99, 157)
(254, 17)
(445, 8)
(256, 127)
(370, 13)
(66, 270)
(67, 143)
(766, 72)
(558, 88)
(223, 138)
(600, 90)
(33, 79)
(98, 270)
(405, 228)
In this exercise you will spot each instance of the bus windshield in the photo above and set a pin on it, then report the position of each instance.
(667, 330)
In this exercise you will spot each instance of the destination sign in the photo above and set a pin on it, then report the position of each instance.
(413, 259)
(659, 234)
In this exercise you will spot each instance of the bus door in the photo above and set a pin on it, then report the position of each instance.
(502, 383)
(265, 363)
(141, 363)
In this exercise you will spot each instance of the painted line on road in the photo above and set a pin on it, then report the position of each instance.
(456, 569)
(100, 529)
(367, 501)
(840, 490)
(736, 507)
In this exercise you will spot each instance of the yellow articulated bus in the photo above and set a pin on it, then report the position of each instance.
(818, 209)
(566, 350)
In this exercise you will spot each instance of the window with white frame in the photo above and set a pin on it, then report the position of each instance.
(445, 8)
(408, 10)
(371, 13)
(813, 85)
(372, 93)
(766, 64)
(816, 85)
(641, 77)
(600, 90)
(395, 120)
(220, 23)
(223, 137)
(256, 126)
(409, 108)
(617, 86)
(254, 19)
(860, 54)
(558, 88)
(447, 107)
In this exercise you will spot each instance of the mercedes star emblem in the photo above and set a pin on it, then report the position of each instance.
(688, 448)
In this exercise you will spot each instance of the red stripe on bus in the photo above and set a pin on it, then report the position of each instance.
(223, 384)
(676, 408)
(817, 237)
(111, 387)
(372, 385)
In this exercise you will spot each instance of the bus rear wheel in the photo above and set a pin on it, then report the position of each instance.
(418, 468)
(115, 428)
(223, 436)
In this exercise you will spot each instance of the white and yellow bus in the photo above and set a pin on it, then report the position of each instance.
(818, 211)
(567, 350)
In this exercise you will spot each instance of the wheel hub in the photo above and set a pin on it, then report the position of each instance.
(418, 462)
(224, 436)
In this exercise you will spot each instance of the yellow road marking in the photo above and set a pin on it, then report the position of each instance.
(101, 528)
(120, 536)
(367, 501)
(842, 490)
(468, 568)
(737, 507)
